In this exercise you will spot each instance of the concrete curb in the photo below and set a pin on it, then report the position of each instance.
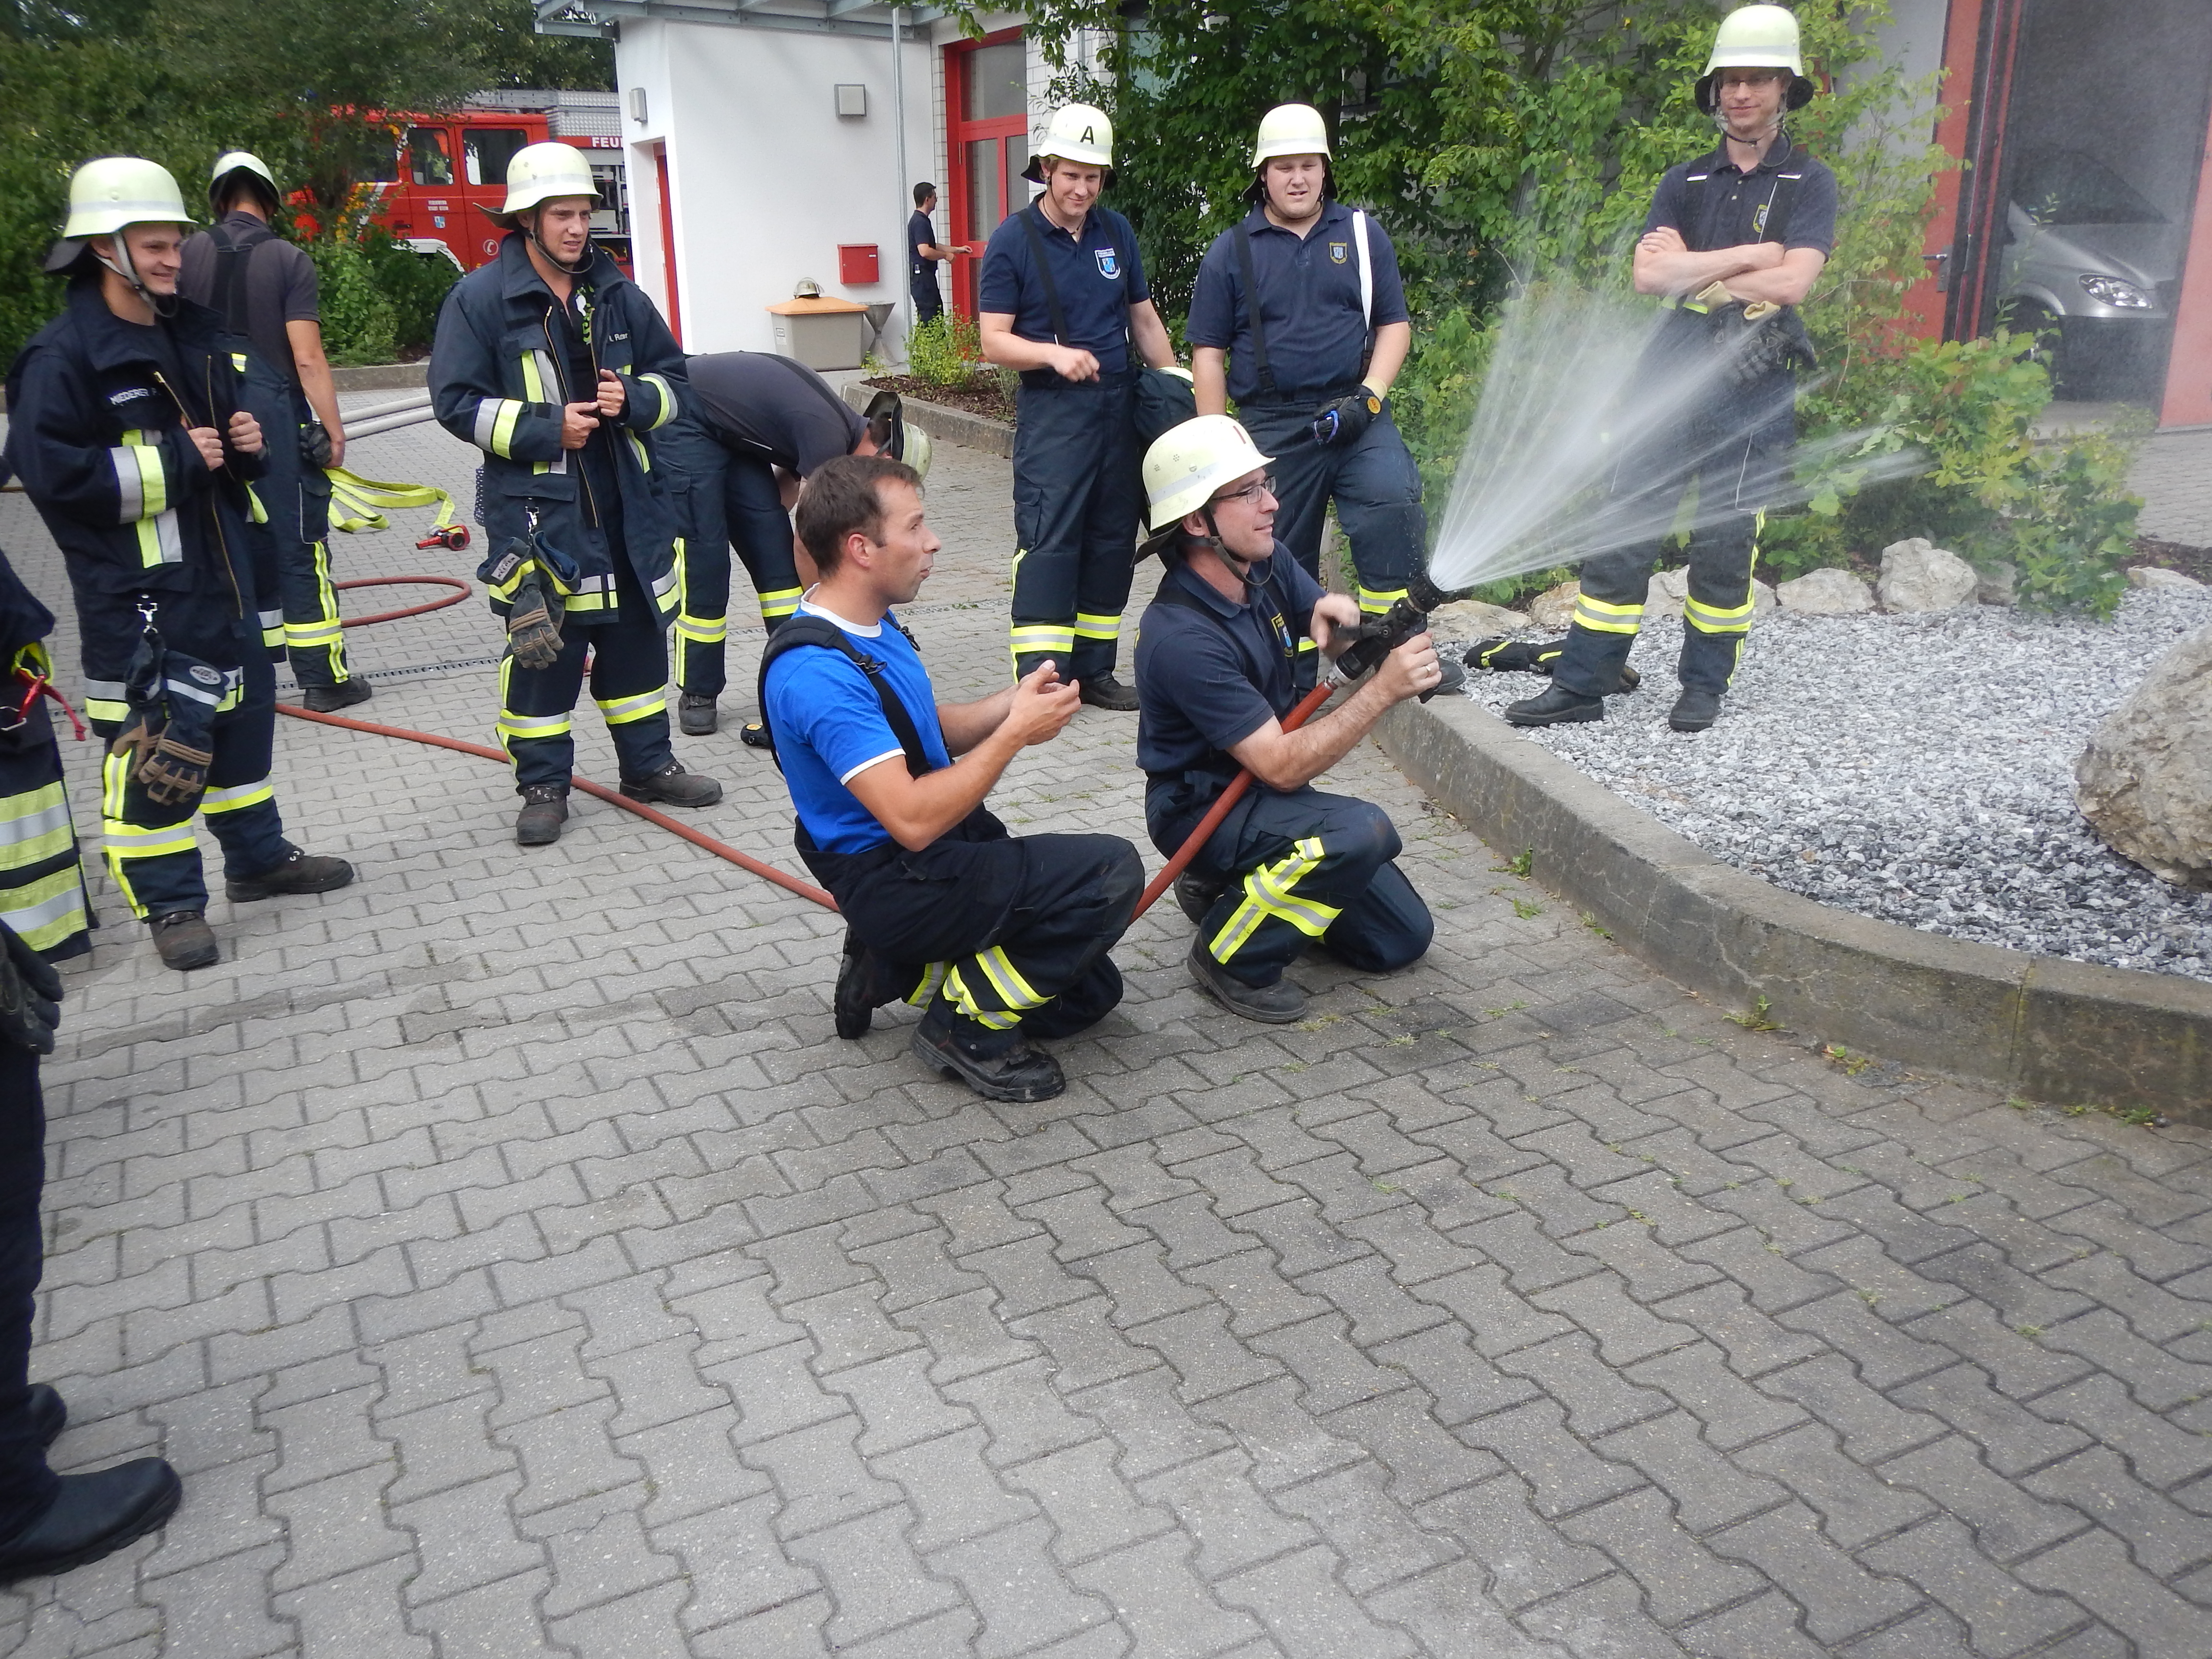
(947, 425)
(382, 377)
(2065, 1032)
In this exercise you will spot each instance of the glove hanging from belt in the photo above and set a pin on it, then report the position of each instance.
(529, 581)
(169, 734)
(1345, 420)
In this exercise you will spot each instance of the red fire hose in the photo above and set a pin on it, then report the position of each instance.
(1174, 868)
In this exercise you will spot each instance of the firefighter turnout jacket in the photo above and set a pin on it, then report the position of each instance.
(508, 356)
(99, 413)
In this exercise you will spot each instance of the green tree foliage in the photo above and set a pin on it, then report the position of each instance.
(310, 88)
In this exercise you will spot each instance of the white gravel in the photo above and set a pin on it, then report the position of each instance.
(1919, 769)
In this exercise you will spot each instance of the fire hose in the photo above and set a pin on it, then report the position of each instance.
(1370, 643)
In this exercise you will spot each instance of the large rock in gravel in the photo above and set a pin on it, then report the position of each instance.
(1999, 585)
(1916, 576)
(1554, 608)
(1664, 597)
(2150, 576)
(1471, 619)
(2145, 781)
(1827, 592)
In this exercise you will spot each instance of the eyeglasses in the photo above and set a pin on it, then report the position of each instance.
(1262, 485)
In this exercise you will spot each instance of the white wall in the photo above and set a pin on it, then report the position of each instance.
(767, 179)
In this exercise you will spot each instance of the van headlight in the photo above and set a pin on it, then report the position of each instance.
(2112, 291)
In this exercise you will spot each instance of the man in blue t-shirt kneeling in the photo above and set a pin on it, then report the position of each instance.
(1001, 939)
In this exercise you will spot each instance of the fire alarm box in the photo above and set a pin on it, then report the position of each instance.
(857, 263)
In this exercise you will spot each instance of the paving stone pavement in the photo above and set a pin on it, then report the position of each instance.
(514, 1263)
(2172, 473)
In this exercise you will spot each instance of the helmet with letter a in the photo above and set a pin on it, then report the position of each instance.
(1756, 37)
(1080, 133)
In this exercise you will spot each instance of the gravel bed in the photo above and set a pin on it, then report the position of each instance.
(1919, 769)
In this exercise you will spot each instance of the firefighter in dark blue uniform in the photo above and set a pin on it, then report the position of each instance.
(924, 254)
(124, 429)
(1063, 302)
(558, 367)
(1311, 364)
(264, 287)
(753, 426)
(998, 940)
(42, 898)
(1734, 241)
(1217, 659)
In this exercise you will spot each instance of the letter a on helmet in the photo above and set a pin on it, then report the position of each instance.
(1076, 132)
(1757, 37)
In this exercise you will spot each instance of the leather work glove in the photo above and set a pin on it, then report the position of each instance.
(30, 996)
(1343, 421)
(168, 765)
(533, 625)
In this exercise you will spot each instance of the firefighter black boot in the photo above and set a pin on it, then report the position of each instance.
(183, 939)
(696, 715)
(544, 810)
(1554, 706)
(1694, 710)
(301, 873)
(674, 786)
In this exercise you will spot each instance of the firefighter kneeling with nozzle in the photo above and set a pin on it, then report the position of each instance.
(1216, 662)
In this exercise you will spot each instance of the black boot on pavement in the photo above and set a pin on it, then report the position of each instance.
(864, 982)
(93, 1515)
(1279, 1004)
(1104, 691)
(1554, 706)
(544, 810)
(329, 699)
(301, 873)
(47, 1410)
(674, 786)
(183, 939)
(696, 715)
(1694, 710)
(1196, 893)
(1016, 1073)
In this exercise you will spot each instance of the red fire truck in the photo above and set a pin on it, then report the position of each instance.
(445, 169)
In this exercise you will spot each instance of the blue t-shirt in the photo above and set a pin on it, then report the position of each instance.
(829, 726)
(1207, 680)
(1713, 205)
(920, 233)
(1308, 301)
(1099, 276)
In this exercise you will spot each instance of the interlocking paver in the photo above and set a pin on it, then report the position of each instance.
(513, 1263)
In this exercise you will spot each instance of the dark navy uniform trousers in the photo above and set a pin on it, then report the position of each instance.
(724, 499)
(1078, 498)
(27, 1487)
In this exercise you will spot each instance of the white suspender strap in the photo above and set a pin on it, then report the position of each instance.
(1367, 269)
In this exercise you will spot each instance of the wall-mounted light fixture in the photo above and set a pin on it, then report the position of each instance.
(637, 105)
(852, 101)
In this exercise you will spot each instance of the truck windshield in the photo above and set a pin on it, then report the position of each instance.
(489, 149)
(2066, 187)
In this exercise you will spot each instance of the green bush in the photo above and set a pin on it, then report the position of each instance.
(415, 285)
(359, 322)
(946, 350)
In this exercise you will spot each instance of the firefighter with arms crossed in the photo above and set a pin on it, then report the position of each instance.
(125, 429)
(1217, 659)
(558, 367)
(1063, 302)
(1734, 241)
(999, 939)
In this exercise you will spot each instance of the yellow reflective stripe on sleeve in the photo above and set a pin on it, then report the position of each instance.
(637, 448)
(1375, 600)
(779, 601)
(1607, 618)
(158, 544)
(46, 912)
(621, 711)
(1096, 627)
(537, 375)
(152, 483)
(493, 427)
(34, 826)
(667, 401)
(235, 797)
(108, 711)
(702, 630)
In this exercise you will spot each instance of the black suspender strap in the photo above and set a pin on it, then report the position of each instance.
(803, 629)
(1044, 275)
(1268, 392)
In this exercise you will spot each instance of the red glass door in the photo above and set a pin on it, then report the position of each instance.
(987, 113)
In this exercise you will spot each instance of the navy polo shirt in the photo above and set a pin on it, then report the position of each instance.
(1207, 681)
(1308, 303)
(759, 404)
(1715, 204)
(920, 233)
(1100, 274)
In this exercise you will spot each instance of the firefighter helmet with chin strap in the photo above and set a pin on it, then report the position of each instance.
(1186, 464)
(539, 174)
(1291, 129)
(1080, 133)
(107, 195)
(1756, 37)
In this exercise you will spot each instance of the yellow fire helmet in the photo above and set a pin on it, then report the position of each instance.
(1077, 133)
(1757, 37)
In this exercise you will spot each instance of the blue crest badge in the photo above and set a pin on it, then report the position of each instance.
(1336, 253)
(1110, 265)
